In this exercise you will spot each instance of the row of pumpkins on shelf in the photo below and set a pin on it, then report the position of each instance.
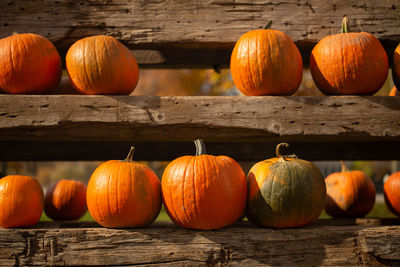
(199, 192)
(263, 62)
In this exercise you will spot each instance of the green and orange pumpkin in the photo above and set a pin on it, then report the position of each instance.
(29, 64)
(349, 193)
(123, 193)
(21, 201)
(102, 65)
(349, 63)
(266, 62)
(285, 192)
(204, 191)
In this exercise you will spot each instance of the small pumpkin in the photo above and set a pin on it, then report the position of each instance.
(349, 63)
(349, 193)
(204, 191)
(285, 192)
(65, 200)
(123, 193)
(102, 65)
(391, 190)
(29, 64)
(266, 62)
(396, 67)
(21, 201)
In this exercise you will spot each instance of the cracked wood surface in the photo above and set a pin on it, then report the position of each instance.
(217, 119)
(178, 33)
(87, 244)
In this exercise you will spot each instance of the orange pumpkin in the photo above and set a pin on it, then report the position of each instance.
(396, 67)
(391, 190)
(349, 193)
(29, 64)
(349, 63)
(123, 193)
(285, 192)
(204, 191)
(21, 201)
(394, 92)
(266, 62)
(102, 65)
(65, 200)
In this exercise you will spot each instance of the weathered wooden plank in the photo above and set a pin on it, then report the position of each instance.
(179, 33)
(218, 119)
(167, 151)
(238, 245)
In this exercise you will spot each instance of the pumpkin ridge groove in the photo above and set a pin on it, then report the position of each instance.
(251, 64)
(12, 54)
(117, 184)
(97, 62)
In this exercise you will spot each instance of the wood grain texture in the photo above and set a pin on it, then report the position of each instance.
(175, 33)
(223, 119)
(165, 244)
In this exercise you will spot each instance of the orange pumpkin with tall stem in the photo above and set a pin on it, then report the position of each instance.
(349, 63)
(123, 193)
(204, 191)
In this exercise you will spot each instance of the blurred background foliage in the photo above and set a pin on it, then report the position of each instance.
(198, 82)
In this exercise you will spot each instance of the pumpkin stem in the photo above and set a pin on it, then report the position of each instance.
(268, 26)
(345, 25)
(344, 167)
(200, 147)
(130, 155)
(284, 157)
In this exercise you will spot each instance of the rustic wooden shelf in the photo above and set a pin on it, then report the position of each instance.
(336, 242)
(97, 127)
(195, 34)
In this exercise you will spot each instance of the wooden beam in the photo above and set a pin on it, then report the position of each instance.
(167, 151)
(172, 33)
(167, 245)
(70, 118)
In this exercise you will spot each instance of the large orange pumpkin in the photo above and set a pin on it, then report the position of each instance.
(65, 200)
(102, 65)
(266, 62)
(349, 63)
(285, 192)
(396, 67)
(204, 191)
(21, 201)
(29, 64)
(349, 193)
(123, 193)
(391, 190)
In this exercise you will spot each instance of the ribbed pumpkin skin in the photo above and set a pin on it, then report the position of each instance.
(123, 194)
(21, 201)
(349, 194)
(396, 67)
(29, 64)
(285, 193)
(102, 65)
(65, 200)
(266, 62)
(204, 192)
(394, 92)
(349, 64)
(391, 190)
